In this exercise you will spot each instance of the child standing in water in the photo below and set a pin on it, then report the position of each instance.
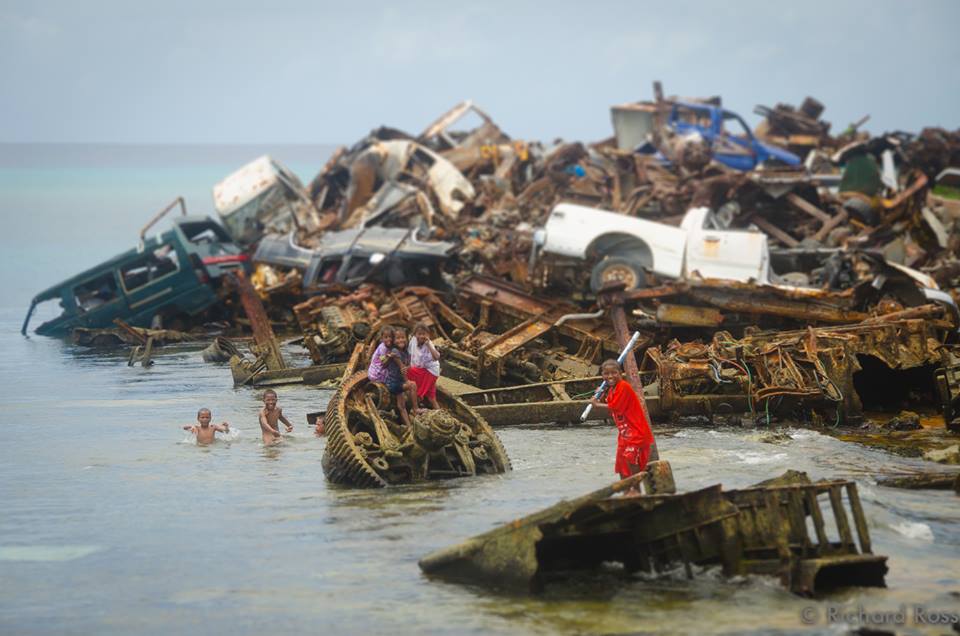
(397, 382)
(635, 438)
(424, 365)
(203, 430)
(270, 414)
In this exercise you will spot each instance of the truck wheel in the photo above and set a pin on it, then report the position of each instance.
(617, 269)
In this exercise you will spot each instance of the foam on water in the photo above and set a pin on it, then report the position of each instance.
(756, 457)
(46, 553)
(914, 530)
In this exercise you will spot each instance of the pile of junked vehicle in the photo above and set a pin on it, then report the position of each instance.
(780, 274)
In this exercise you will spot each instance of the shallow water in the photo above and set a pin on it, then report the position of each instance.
(112, 524)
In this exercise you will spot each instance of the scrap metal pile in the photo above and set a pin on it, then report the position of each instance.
(767, 270)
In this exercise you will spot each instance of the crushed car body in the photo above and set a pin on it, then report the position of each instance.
(389, 256)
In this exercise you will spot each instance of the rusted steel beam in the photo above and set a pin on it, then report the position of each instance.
(759, 303)
(619, 319)
(805, 206)
(688, 315)
(263, 336)
(838, 219)
(135, 333)
(775, 232)
(504, 293)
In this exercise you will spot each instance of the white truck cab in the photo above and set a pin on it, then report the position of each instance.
(623, 246)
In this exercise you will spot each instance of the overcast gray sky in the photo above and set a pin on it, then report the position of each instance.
(316, 72)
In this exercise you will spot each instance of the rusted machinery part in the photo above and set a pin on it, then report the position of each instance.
(220, 350)
(343, 462)
(464, 412)
(347, 458)
(435, 429)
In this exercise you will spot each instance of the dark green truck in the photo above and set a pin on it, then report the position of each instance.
(173, 277)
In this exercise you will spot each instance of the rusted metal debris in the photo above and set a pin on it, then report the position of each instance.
(834, 229)
(825, 374)
(764, 529)
(840, 227)
(268, 368)
(496, 335)
(925, 481)
(123, 334)
(368, 448)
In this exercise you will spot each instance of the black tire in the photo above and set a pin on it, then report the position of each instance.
(620, 268)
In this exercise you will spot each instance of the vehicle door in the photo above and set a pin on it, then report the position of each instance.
(735, 146)
(98, 300)
(724, 254)
(687, 118)
(154, 279)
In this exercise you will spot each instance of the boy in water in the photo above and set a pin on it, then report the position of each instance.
(424, 365)
(635, 438)
(270, 414)
(204, 432)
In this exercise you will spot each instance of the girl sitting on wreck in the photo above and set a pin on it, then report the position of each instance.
(386, 367)
(397, 381)
(377, 371)
(635, 438)
(424, 365)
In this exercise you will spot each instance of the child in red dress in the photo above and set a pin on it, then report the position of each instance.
(635, 438)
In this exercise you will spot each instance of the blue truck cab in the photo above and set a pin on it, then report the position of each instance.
(174, 276)
(730, 139)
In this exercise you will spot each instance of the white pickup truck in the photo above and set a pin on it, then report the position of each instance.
(623, 246)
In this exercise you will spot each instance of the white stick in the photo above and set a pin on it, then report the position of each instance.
(603, 385)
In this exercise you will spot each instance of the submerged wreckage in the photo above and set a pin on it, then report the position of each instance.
(776, 528)
(369, 448)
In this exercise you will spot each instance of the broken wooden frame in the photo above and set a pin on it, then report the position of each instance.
(765, 529)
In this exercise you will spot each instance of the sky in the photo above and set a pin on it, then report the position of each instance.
(323, 72)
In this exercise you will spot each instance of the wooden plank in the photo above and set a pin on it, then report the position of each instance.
(818, 525)
(843, 526)
(858, 519)
(798, 520)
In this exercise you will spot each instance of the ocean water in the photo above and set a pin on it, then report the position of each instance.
(112, 522)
